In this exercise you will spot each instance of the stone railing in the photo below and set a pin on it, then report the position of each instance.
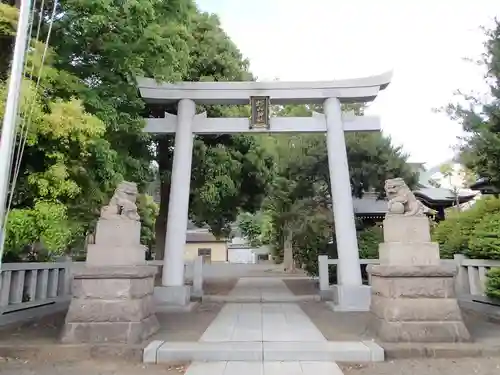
(31, 290)
(324, 274)
(471, 276)
(470, 279)
(28, 290)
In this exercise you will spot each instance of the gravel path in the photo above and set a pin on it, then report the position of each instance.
(17, 367)
(463, 366)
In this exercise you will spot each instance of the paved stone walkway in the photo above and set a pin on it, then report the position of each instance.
(242, 322)
(261, 289)
(260, 323)
(264, 368)
(264, 288)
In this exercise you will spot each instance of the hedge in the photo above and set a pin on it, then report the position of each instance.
(474, 233)
(493, 283)
(454, 234)
(484, 242)
(368, 241)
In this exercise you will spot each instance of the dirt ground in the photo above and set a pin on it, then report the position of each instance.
(19, 367)
(219, 287)
(462, 366)
(28, 338)
(302, 287)
(337, 326)
(186, 326)
(45, 330)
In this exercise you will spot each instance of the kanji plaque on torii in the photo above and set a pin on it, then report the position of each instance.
(260, 117)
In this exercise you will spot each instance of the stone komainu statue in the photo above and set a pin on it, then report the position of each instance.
(122, 204)
(401, 200)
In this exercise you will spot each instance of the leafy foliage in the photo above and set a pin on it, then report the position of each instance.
(229, 173)
(480, 117)
(87, 129)
(257, 227)
(38, 234)
(485, 239)
(368, 241)
(65, 162)
(493, 283)
(299, 200)
(455, 234)
(148, 211)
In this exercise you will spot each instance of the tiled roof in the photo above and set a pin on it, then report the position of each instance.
(369, 204)
(442, 194)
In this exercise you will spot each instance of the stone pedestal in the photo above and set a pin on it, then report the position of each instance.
(113, 294)
(413, 295)
(416, 304)
(111, 305)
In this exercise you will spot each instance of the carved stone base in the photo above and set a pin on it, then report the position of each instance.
(407, 229)
(118, 243)
(409, 254)
(115, 256)
(110, 332)
(416, 304)
(111, 304)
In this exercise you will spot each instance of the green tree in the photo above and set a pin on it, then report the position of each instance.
(99, 48)
(299, 201)
(229, 173)
(480, 117)
(480, 149)
(107, 44)
(256, 228)
(65, 162)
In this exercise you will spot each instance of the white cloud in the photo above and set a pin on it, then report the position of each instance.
(423, 41)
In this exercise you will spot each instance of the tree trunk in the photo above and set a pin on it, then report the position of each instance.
(288, 262)
(164, 156)
(161, 222)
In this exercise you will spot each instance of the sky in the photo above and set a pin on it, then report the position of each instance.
(425, 43)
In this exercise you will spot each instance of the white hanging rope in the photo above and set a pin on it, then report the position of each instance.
(26, 121)
(22, 125)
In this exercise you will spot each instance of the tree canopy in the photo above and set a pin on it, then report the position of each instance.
(299, 202)
(86, 116)
(480, 117)
(86, 133)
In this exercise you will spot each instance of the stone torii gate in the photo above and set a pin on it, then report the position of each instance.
(349, 294)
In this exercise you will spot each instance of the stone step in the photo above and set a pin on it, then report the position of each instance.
(260, 299)
(321, 351)
(264, 368)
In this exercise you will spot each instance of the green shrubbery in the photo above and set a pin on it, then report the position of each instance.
(39, 234)
(484, 242)
(461, 233)
(474, 233)
(493, 283)
(368, 241)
